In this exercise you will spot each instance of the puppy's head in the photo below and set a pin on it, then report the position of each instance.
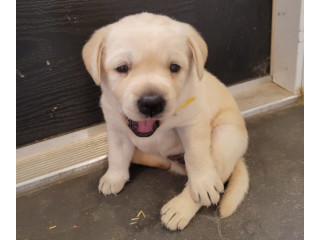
(145, 61)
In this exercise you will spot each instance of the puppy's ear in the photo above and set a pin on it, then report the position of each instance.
(92, 51)
(199, 50)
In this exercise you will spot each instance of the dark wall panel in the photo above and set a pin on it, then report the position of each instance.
(55, 94)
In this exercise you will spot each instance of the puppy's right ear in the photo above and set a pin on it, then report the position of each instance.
(92, 51)
(198, 48)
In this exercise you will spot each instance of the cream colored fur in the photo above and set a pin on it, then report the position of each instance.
(210, 130)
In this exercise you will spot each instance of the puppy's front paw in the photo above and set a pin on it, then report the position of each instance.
(112, 183)
(206, 188)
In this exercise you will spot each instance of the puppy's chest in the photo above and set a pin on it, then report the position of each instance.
(162, 143)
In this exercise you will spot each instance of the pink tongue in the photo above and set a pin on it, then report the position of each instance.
(146, 125)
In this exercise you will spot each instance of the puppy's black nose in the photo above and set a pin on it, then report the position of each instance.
(151, 104)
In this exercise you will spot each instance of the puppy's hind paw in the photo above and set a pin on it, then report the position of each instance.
(178, 212)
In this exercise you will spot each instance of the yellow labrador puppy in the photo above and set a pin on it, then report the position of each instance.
(163, 109)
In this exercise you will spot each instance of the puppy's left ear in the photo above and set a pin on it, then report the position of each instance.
(92, 51)
(199, 50)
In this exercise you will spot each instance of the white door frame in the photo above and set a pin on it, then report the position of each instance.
(286, 66)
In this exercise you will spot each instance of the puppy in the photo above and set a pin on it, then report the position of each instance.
(163, 109)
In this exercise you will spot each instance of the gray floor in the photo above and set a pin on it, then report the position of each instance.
(273, 208)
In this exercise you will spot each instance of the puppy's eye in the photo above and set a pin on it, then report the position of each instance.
(174, 68)
(122, 69)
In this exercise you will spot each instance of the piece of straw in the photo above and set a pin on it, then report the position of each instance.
(186, 103)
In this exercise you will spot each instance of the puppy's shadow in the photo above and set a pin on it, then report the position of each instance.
(135, 170)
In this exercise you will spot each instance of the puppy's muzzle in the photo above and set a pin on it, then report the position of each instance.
(151, 104)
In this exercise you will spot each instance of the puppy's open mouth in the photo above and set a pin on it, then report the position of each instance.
(144, 128)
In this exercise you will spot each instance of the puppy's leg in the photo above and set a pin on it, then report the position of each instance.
(150, 160)
(158, 162)
(119, 158)
(178, 212)
(178, 168)
(204, 181)
(229, 143)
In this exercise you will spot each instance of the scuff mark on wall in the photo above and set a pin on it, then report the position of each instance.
(262, 68)
(20, 73)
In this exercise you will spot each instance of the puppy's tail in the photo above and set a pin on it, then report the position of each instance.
(236, 190)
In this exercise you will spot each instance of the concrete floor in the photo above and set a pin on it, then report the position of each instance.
(273, 208)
